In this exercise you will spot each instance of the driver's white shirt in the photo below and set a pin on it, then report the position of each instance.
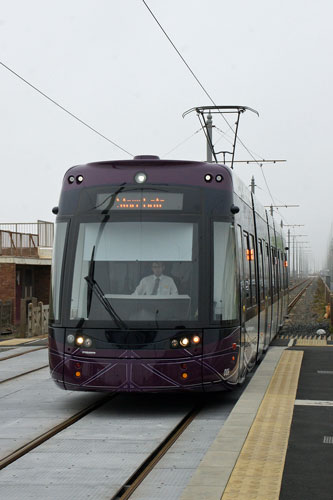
(166, 286)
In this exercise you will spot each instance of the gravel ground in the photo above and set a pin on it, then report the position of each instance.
(307, 316)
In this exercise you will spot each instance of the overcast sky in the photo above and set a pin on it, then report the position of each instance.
(108, 62)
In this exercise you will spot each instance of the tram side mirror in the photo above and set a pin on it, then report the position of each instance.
(55, 210)
(234, 209)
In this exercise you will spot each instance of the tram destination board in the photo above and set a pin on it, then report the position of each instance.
(141, 200)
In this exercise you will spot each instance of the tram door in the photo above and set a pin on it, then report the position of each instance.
(262, 319)
(240, 254)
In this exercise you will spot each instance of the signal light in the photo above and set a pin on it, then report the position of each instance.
(196, 339)
(140, 178)
(77, 374)
(184, 375)
(234, 346)
(249, 254)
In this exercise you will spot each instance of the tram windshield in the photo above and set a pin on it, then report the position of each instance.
(134, 270)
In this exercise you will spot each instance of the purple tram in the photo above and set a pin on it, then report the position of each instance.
(167, 276)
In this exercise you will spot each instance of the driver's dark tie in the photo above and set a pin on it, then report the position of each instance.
(156, 285)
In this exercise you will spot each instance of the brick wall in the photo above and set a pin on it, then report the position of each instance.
(8, 284)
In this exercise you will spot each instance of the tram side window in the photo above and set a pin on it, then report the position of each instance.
(285, 272)
(267, 271)
(225, 301)
(57, 260)
(249, 271)
(277, 267)
(241, 260)
(261, 272)
(274, 290)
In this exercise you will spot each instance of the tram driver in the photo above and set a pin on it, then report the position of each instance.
(157, 283)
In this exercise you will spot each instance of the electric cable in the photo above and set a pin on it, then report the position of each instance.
(63, 108)
(181, 143)
(205, 91)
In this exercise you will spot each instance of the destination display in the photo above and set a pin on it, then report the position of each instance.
(142, 200)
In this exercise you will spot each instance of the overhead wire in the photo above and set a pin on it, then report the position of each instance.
(205, 91)
(181, 143)
(63, 108)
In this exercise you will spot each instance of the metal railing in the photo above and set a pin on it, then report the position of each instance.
(18, 244)
(39, 234)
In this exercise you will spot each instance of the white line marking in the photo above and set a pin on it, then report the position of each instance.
(312, 402)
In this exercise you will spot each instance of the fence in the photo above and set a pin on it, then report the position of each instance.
(18, 244)
(42, 230)
(38, 319)
(6, 310)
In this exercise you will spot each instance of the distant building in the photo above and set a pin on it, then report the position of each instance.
(25, 268)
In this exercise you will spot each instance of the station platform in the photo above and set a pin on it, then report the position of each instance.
(277, 442)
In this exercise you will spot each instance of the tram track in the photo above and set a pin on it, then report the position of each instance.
(148, 465)
(23, 374)
(34, 443)
(22, 353)
(299, 295)
(12, 366)
(290, 289)
(147, 459)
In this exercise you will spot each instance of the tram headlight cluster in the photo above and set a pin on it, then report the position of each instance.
(79, 340)
(210, 177)
(79, 179)
(185, 341)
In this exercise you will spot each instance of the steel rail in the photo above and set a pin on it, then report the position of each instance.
(26, 448)
(147, 466)
(22, 374)
(298, 284)
(22, 353)
(299, 295)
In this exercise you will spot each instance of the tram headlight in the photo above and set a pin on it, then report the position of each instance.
(184, 342)
(208, 177)
(196, 339)
(87, 342)
(174, 343)
(71, 179)
(79, 340)
(140, 177)
(70, 338)
(219, 178)
(79, 179)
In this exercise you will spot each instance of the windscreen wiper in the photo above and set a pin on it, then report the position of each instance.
(91, 277)
(96, 289)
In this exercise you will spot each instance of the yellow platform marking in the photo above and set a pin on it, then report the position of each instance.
(259, 468)
(313, 342)
(10, 342)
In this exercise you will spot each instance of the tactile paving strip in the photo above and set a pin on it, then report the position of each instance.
(258, 471)
(312, 342)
